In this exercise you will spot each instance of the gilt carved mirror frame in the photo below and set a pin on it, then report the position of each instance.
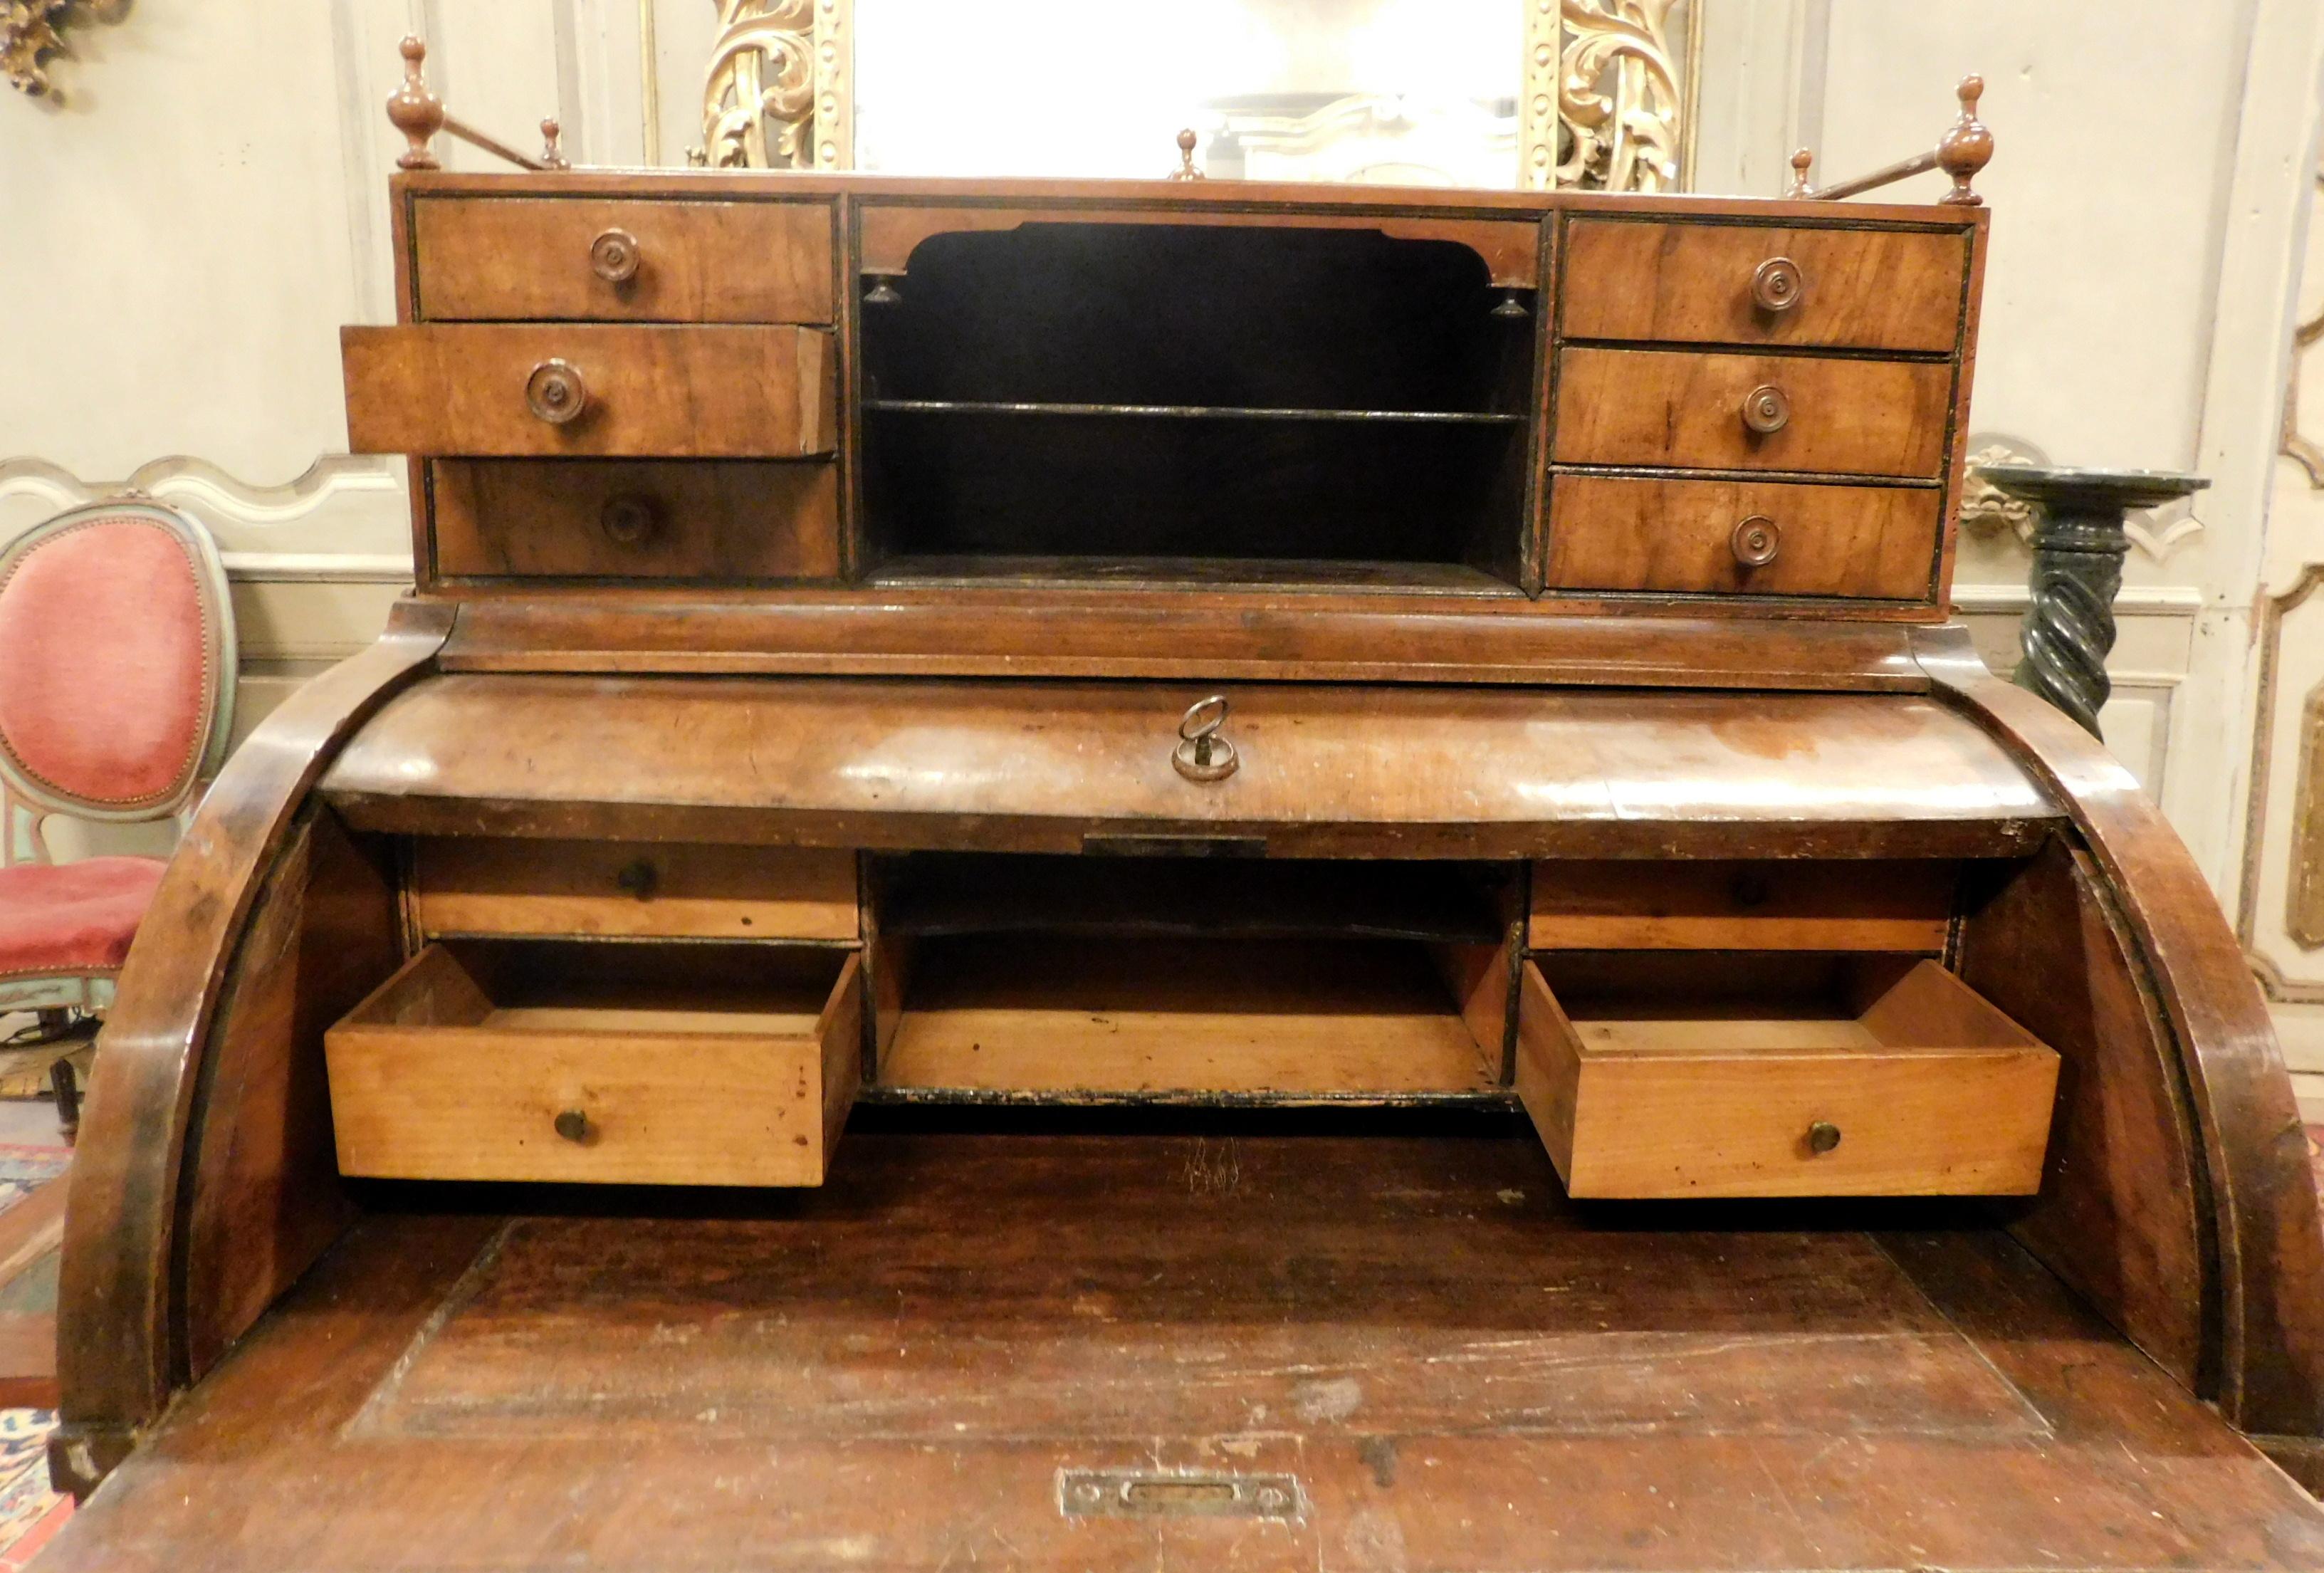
(1606, 97)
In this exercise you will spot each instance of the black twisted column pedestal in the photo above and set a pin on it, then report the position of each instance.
(2077, 552)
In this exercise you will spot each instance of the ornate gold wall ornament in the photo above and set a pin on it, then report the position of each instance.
(777, 93)
(29, 36)
(1985, 508)
(1605, 102)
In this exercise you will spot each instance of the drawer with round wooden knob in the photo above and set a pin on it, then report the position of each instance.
(481, 259)
(1855, 288)
(740, 520)
(1670, 1074)
(1680, 536)
(1708, 410)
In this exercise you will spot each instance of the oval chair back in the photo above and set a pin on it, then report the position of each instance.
(116, 662)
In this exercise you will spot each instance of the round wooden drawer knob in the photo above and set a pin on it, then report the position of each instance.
(573, 1125)
(613, 256)
(1756, 541)
(1766, 410)
(628, 520)
(1822, 1137)
(555, 391)
(1777, 284)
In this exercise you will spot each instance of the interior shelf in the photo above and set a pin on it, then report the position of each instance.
(1189, 411)
(938, 892)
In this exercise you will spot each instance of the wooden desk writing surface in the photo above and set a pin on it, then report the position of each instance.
(1212, 824)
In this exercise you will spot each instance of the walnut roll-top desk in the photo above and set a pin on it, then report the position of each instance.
(1182, 874)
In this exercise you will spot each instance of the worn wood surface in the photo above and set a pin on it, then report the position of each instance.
(2121, 1212)
(707, 1067)
(1325, 771)
(1859, 289)
(1612, 904)
(462, 885)
(2260, 1193)
(1929, 1090)
(1457, 1368)
(504, 258)
(1683, 409)
(651, 392)
(119, 1295)
(266, 1197)
(1609, 532)
(636, 519)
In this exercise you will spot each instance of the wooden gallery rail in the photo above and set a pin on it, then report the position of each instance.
(1181, 875)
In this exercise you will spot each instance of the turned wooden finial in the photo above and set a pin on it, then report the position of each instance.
(1967, 147)
(1186, 169)
(415, 111)
(552, 157)
(1799, 186)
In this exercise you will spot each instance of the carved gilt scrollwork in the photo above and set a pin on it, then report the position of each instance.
(776, 96)
(1605, 98)
(29, 34)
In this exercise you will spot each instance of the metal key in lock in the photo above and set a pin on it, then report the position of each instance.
(1203, 754)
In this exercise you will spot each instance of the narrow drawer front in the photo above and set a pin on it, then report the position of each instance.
(463, 886)
(436, 1077)
(547, 390)
(1706, 284)
(509, 258)
(1893, 905)
(1742, 537)
(1688, 409)
(1703, 1106)
(736, 519)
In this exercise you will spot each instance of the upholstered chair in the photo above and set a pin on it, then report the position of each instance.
(116, 683)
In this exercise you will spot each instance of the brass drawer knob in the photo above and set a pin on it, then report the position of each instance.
(573, 1125)
(1203, 754)
(1777, 284)
(613, 256)
(1766, 410)
(1756, 541)
(628, 519)
(555, 391)
(1822, 1137)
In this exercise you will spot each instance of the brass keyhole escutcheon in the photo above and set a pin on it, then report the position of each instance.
(1203, 754)
(1777, 285)
(573, 1125)
(1756, 541)
(640, 879)
(628, 519)
(555, 391)
(1822, 1137)
(613, 256)
(1765, 410)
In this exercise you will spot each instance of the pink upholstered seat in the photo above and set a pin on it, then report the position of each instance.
(72, 917)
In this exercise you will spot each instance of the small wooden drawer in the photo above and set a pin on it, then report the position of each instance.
(1695, 410)
(1761, 904)
(1737, 283)
(677, 890)
(604, 1062)
(1651, 1081)
(716, 519)
(559, 390)
(509, 258)
(1742, 537)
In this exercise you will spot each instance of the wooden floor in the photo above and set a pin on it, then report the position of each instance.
(1429, 1357)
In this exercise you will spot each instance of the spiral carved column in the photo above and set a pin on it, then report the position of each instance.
(2078, 552)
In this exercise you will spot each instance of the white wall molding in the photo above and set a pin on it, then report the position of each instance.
(354, 502)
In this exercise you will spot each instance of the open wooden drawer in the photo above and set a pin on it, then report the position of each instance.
(1738, 1074)
(688, 1064)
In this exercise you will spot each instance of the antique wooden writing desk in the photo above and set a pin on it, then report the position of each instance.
(1369, 801)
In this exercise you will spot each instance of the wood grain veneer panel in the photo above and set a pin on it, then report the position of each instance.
(710, 519)
(486, 258)
(1683, 409)
(1722, 904)
(1861, 289)
(652, 392)
(1608, 532)
(474, 886)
